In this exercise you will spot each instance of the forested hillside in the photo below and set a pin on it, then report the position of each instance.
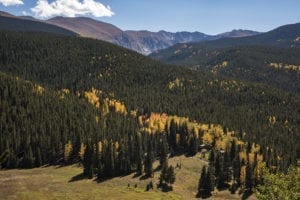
(271, 58)
(274, 66)
(82, 99)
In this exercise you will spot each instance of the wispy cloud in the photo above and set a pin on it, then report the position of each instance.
(71, 8)
(11, 2)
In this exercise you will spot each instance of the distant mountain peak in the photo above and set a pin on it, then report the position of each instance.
(239, 33)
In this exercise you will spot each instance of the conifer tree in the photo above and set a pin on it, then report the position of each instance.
(249, 180)
(138, 154)
(212, 159)
(88, 161)
(38, 158)
(204, 184)
(170, 175)
(109, 164)
(233, 150)
(28, 161)
(76, 149)
(164, 173)
(167, 176)
(211, 177)
(201, 183)
(193, 144)
(236, 170)
(172, 135)
(149, 161)
(163, 151)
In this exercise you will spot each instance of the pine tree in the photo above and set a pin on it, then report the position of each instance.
(183, 135)
(211, 177)
(28, 161)
(164, 173)
(227, 168)
(201, 183)
(88, 161)
(167, 176)
(109, 158)
(163, 151)
(220, 174)
(233, 150)
(249, 180)
(193, 144)
(236, 165)
(149, 161)
(38, 158)
(212, 159)
(138, 154)
(172, 135)
(170, 175)
(204, 184)
(76, 149)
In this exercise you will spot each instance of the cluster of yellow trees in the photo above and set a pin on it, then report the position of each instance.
(39, 89)
(93, 97)
(177, 83)
(211, 134)
(285, 66)
(216, 68)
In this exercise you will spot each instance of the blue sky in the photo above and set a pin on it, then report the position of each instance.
(208, 16)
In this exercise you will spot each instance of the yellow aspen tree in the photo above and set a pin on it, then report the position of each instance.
(243, 176)
(82, 151)
(207, 138)
(67, 151)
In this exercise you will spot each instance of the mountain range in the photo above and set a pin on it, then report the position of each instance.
(144, 42)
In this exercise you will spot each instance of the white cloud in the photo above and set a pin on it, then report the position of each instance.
(11, 2)
(71, 8)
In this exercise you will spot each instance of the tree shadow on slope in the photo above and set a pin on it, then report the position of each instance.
(79, 177)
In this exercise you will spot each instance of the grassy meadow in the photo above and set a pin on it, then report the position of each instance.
(56, 182)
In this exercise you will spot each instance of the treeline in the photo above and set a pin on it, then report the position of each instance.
(259, 114)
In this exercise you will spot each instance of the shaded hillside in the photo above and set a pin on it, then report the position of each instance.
(267, 115)
(13, 23)
(251, 62)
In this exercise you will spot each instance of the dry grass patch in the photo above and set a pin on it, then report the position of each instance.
(51, 183)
